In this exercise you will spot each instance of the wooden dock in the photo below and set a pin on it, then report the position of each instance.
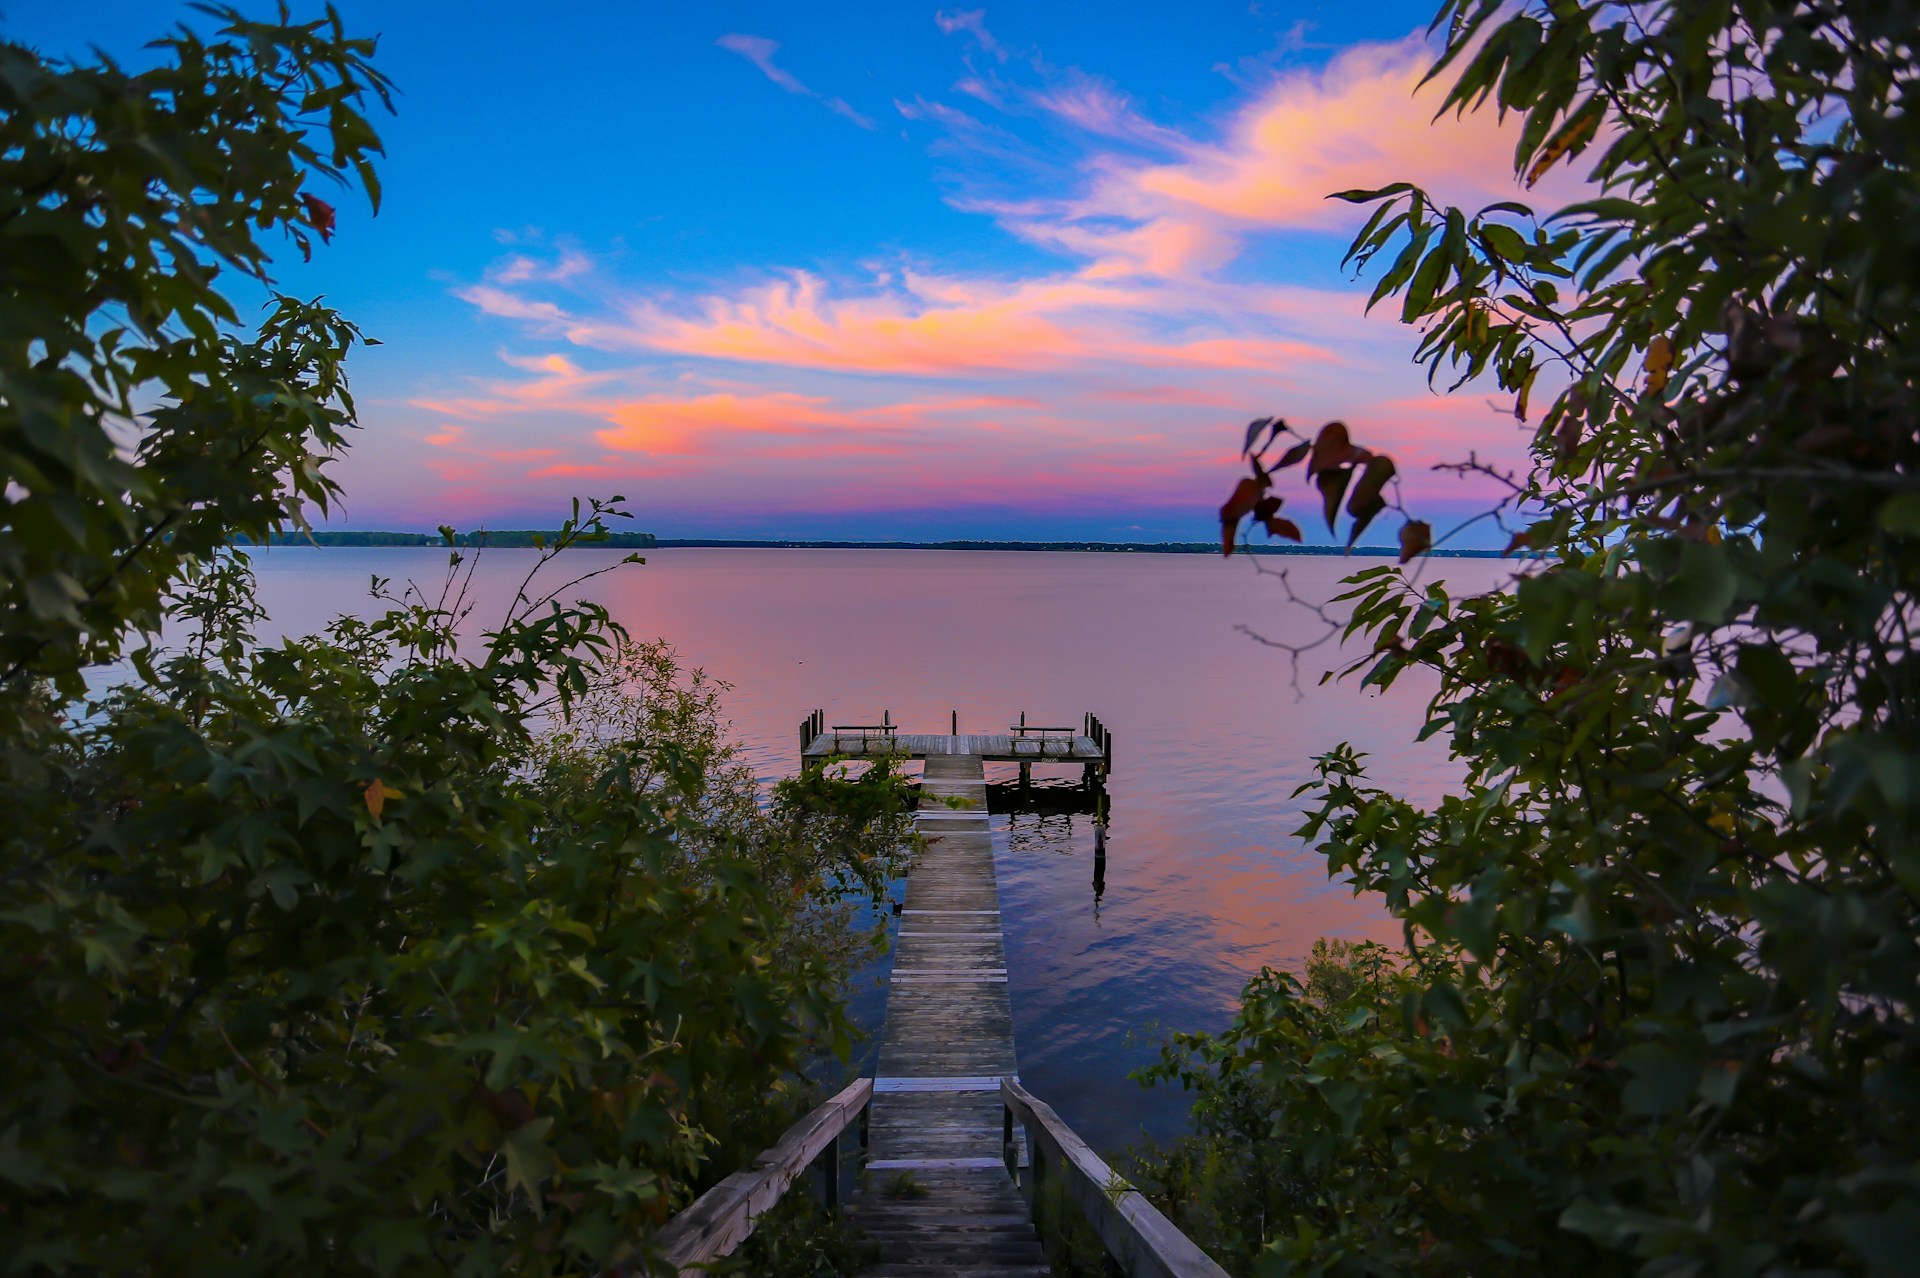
(964, 1168)
(1089, 745)
(938, 1199)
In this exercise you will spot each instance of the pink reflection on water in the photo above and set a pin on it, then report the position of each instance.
(1205, 881)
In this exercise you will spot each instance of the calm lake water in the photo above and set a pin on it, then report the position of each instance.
(1205, 883)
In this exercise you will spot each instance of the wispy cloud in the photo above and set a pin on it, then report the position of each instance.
(1097, 107)
(1111, 372)
(974, 23)
(759, 50)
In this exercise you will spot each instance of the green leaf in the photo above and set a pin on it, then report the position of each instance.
(1900, 515)
(1662, 1081)
(529, 1161)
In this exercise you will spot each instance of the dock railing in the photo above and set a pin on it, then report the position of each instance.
(1139, 1240)
(722, 1218)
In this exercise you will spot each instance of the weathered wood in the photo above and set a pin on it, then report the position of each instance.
(947, 1043)
(1142, 1241)
(721, 1219)
(1001, 747)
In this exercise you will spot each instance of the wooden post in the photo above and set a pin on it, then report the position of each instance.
(956, 723)
(1008, 1150)
(866, 1127)
(830, 1164)
(1037, 1160)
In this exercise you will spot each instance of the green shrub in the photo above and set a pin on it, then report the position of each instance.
(393, 949)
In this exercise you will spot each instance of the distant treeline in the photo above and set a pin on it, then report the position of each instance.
(1130, 547)
(507, 538)
(513, 538)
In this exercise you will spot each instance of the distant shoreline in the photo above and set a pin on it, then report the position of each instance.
(648, 541)
(1097, 547)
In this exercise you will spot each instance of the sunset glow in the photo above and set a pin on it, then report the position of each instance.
(960, 273)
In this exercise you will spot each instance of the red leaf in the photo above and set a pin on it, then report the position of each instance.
(1520, 542)
(1330, 448)
(320, 214)
(1278, 527)
(1333, 486)
(1246, 495)
(1416, 537)
(510, 1110)
(1295, 455)
(1367, 501)
(1267, 507)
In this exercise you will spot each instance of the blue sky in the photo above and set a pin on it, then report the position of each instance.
(869, 270)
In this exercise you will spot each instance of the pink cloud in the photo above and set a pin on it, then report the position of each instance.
(1360, 123)
(932, 326)
(1119, 375)
(522, 268)
(491, 300)
(1092, 104)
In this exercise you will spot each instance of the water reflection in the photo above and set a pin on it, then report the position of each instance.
(1203, 881)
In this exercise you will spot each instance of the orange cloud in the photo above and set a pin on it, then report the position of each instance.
(1120, 374)
(1360, 123)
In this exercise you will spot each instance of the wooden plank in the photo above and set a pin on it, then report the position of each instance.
(947, 1042)
(932, 1164)
(1142, 1240)
(976, 1083)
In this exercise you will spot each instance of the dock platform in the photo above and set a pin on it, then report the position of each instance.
(1090, 745)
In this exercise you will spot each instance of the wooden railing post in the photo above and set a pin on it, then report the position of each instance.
(830, 1164)
(1037, 1164)
(1009, 1151)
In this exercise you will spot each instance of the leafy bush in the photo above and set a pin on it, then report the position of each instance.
(362, 952)
(1657, 1013)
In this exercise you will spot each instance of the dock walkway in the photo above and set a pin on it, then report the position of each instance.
(938, 1199)
(964, 1168)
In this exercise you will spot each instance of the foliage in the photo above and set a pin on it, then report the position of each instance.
(1658, 1016)
(123, 199)
(396, 949)
(799, 1238)
(1229, 1185)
